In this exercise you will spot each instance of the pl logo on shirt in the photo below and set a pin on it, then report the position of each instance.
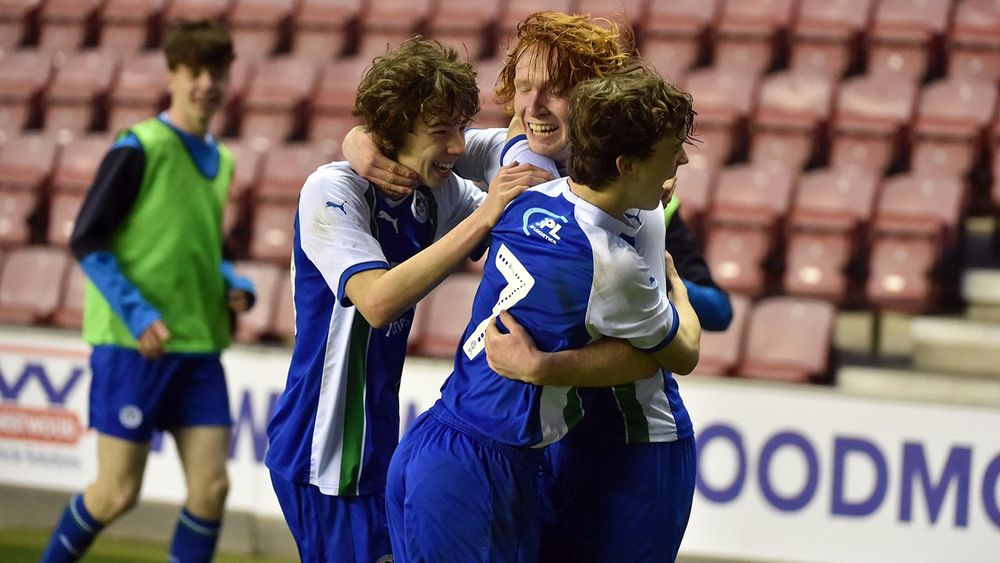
(547, 228)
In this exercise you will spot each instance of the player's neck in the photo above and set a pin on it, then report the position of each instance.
(608, 199)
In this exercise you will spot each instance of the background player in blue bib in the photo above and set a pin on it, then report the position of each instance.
(561, 262)
(361, 261)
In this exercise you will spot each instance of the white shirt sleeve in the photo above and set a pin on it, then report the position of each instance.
(481, 160)
(650, 243)
(626, 300)
(335, 227)
(517, 150)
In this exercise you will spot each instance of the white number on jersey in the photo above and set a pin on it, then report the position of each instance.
(519, 283)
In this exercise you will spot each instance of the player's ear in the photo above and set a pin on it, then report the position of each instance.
(625, 165)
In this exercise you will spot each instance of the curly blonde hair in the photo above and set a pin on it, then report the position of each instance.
(574, 47)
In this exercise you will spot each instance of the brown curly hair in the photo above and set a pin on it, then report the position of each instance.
(197, 45)
(421, 79)
(575, 48)
(623, 114)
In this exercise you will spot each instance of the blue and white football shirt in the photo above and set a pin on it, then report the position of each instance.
(337, 422)
(567, 271)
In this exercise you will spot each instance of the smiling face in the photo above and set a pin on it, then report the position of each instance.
(431, 150)
(195, 96)
(544, 112)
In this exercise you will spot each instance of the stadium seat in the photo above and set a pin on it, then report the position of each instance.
(23, 76)
(275, 102)
(722, 351)
(712, 149)
(900, 274)
(756, 195)
(838, 200)
(516, 11)
(444, 315)
(331, 105)
(17, 208)
(827, 36)
(872, 114)
(974, 42)
(695, 189)
(65, 25)
(469, 27)
(18, 19)
(249, 161)
(140, 91)
(193, 10)
(284, 309)
(74, 101)
(256, 322)
(490, 113)
(626, 13)
(64, 208)
(272, 232)
(78, 163)
(226, 120)
(736, 256)
(321, 29)
(31, 283)
(671, 57)
(128, 26)
(815, 265)
(789, 339)
(386, 23)
(257, 26)
(286, 169)
(921, 205)
(724, 99)
(952, 125)
(69, 314)
(26, 161)
(791, 117)
(751, 33)
(681, 19)
(906, 37)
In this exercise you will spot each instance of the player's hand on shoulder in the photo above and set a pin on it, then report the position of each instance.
(510, 182)
(513, 354)
(152, 341)
(388, 176)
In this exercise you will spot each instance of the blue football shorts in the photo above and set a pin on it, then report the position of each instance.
(456, 495)
(623, 502)
(131, 396)
(342, 529)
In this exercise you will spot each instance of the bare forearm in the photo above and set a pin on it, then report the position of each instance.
(603, 363)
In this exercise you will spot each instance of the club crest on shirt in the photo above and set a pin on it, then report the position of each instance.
(421, 209)
(547, 227)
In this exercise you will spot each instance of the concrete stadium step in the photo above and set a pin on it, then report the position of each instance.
(913, 385)
(957, 345)
(981, 290)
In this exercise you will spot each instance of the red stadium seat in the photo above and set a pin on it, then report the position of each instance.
(952, 125)
(17, 20)
(724, 100)
(751, 32)
(30, 284)
(680, 19)
(275, 102)
(671, 57)
(65, 25)
(906, 36)
(193, 10)
(516, 11)
(23, 76)
(386, 23)
(490, 113)
(16, 210)
(126, 26)
(272, 232)
(695, 189)
(871, 116)
(284, 309)
(974, 50)
(140, 91)
(827, 35)
(918, 205)
(63, 211)
(227, 118)
(256, 26)
(815, 265)
(754, 195)
(331, 106)
(256, 322)
(466, 26)
(722, 351)
(321, 28)
(711, 150)
(736, 258)
(70, 311)
(791, 116)
(789, 339)
(900, 274)
(839, 200)
(78, 163)
(249, 161)
(626, 13)
(26, 161)
(73, 101)
(286, 169)
(445, 313)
